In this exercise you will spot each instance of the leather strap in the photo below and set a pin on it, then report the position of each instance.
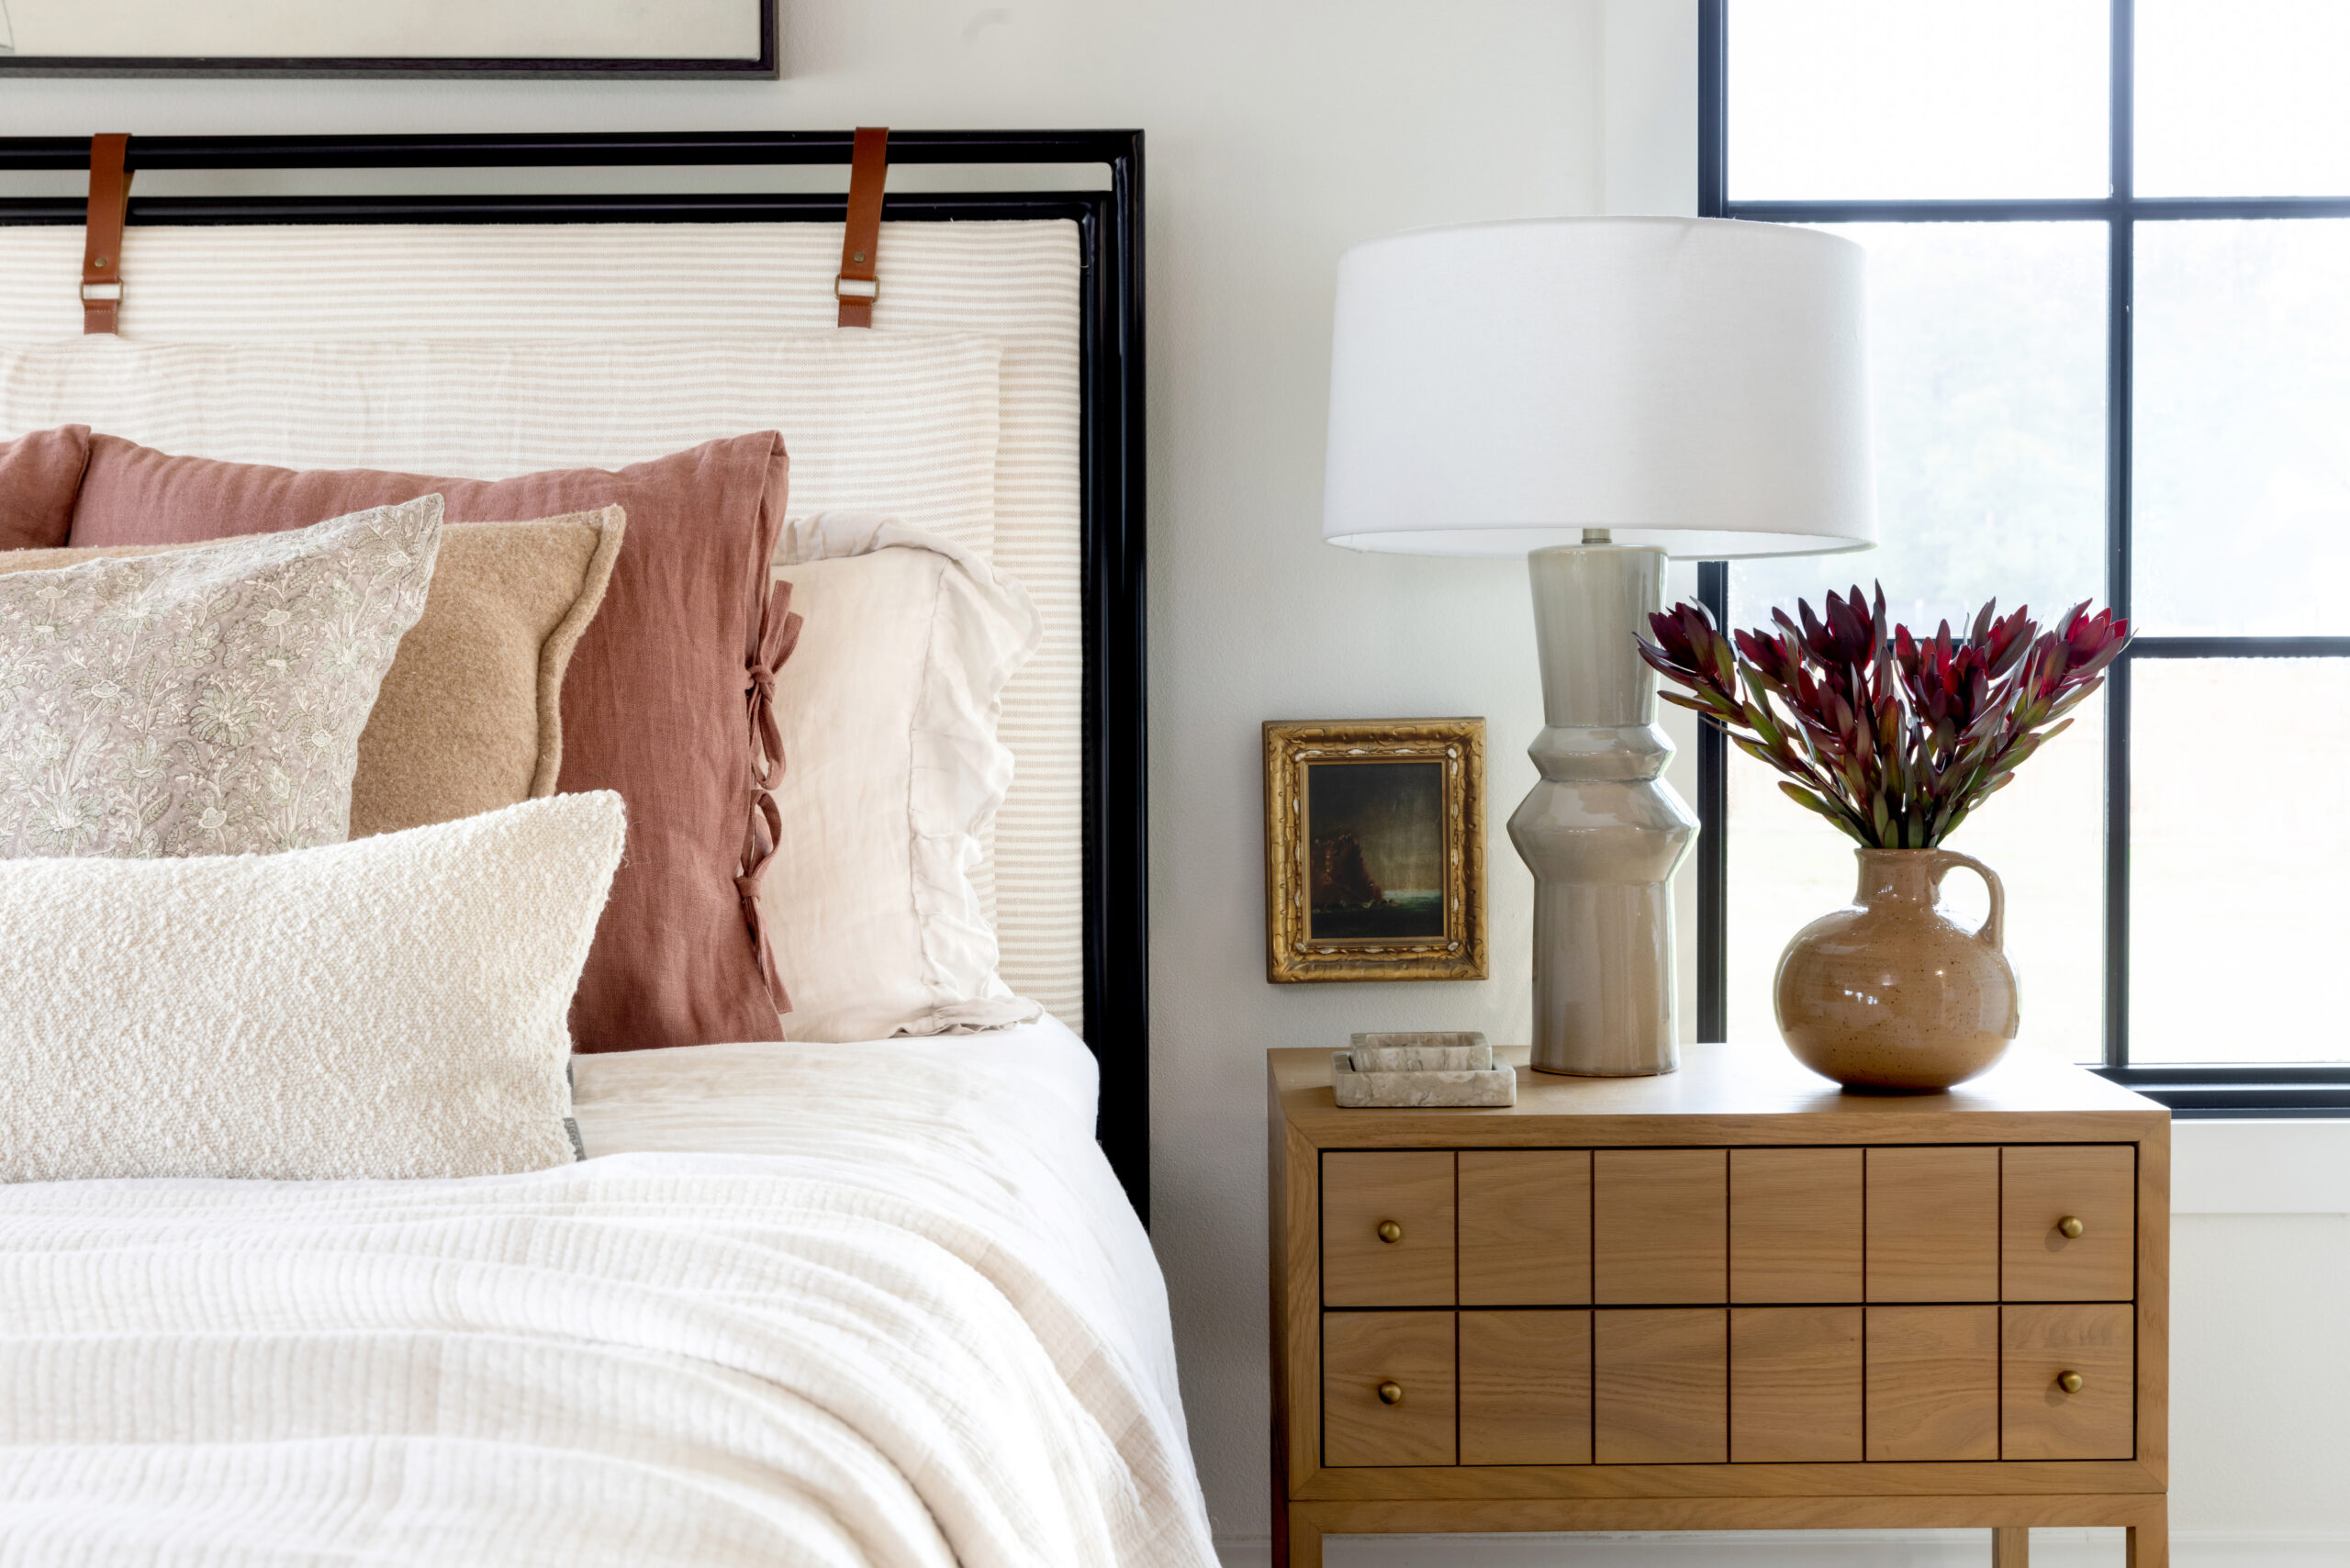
(856, 287)
(102, 240)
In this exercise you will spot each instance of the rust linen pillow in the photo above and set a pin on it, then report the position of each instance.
(39, 474)
(470, 715)
(667, 691)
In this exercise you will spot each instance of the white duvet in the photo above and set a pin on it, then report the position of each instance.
(912, 1331)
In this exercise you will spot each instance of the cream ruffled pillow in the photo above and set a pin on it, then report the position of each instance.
(892, 776)
(206, 702)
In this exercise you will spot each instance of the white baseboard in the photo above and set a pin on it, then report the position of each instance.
(1794, 1549)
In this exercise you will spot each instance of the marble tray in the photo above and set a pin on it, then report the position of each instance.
(1460, 1051)
(1495, 1085)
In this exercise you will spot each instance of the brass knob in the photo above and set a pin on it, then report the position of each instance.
(1389, 1231)
(1392, 1393)
(2070, 1382)
(2070, 1226)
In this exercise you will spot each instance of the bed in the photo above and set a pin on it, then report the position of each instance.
(848, 1301)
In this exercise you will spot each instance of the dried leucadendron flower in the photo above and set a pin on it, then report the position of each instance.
(1893, 738)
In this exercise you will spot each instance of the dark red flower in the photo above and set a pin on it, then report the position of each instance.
(1892, 738)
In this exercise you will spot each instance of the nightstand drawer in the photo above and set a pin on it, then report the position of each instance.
(1795, 1385)
(1933, 1225)
(1661, 1386)
(1387, 1237)
(2050, 1191)
(1387, 1388)
(1794, 1225)
(2042, 1420)
(1933, 1382)
(1660, 1225)
(1525, 1227)
(1525, 1388)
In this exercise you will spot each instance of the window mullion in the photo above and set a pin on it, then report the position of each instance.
(2120, 292)
(1713, 576)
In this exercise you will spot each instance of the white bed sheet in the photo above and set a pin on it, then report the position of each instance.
(1020, 1102)
(873, 1305)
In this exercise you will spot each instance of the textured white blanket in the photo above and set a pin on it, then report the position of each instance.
(896, 1348)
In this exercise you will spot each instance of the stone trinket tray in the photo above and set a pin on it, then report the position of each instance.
(1494, 1084)
(1460, 1051)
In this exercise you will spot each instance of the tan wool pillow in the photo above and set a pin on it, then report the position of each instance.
(470, 715)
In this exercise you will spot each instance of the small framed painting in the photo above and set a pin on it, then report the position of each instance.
(1375, 850)
(390, 37)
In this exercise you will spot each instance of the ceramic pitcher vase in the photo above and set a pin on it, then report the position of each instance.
(1891, 993)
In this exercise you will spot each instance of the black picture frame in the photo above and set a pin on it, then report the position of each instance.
(1112, 457)
(767, 65)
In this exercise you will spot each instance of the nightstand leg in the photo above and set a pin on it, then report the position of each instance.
(2150, 1544)
(1304, 1538)
(2011, 1547)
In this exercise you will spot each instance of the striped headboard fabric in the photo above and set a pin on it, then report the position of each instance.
(1016, 282)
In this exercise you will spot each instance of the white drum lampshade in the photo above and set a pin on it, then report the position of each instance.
(1597, 393)
(1692, 383)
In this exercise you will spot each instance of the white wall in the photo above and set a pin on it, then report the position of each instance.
(1278, 134)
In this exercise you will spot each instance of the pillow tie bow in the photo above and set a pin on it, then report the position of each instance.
(777, 635)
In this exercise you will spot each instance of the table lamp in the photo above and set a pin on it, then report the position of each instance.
(1596, 394)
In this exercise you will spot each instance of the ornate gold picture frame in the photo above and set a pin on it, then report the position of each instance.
(1375, 850)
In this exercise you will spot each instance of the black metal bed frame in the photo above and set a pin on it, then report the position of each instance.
(2191, 1091)
(1109, 227)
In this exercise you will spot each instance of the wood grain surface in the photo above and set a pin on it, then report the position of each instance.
(1661, 1386)
(1525, 1388)
(1363, 1350)
(2041, 1186)
(1933, 1226)
(1796, 1224)
(1933, 1382)
(1751, 1093)
(2141, 1513)
(1660, 1225)
(1525, 1217)
(1795, 1385)
(1361, 1191)
(2039, 1342)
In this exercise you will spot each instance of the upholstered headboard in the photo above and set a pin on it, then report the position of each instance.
(1053, 275)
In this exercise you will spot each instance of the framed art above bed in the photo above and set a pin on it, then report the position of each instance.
(291, 37)
(1047, 278)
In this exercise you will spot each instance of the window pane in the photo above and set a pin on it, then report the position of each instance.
(1987, 344)
(2044, 835)
(2235, 925)
(2241, 100)
(2243, 446)
(1860, 99)
(1987, 367)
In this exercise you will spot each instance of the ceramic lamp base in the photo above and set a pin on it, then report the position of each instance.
(1602, 831)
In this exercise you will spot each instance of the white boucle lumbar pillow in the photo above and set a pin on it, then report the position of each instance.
(391, 1007)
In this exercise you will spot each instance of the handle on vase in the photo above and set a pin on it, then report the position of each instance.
(1996, 926)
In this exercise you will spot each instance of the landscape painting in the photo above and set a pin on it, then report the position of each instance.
(1374, 850)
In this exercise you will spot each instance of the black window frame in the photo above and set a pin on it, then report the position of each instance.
(2252, 1089)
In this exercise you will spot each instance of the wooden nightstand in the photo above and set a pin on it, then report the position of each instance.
(1730, 1298)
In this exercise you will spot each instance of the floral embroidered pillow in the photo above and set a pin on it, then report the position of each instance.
(208, 701)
